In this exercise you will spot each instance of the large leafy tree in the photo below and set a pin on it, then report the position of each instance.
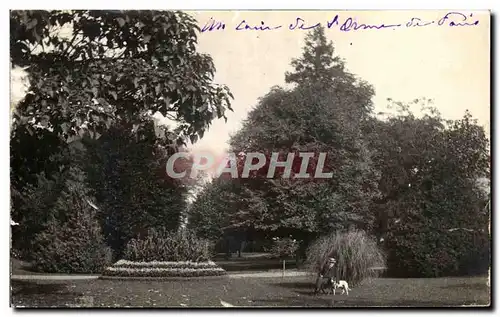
(209, 213)
(323, 112)
(89, 68)
(132, 191)
(432, 213)
(97, 77)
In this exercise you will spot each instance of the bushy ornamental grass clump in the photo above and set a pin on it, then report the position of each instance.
(356, 253)
(160, 245)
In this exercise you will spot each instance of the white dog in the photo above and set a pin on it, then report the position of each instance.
(341, 284)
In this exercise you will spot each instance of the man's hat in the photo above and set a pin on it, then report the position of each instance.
(332, 260)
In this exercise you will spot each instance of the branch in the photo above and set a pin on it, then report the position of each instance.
(70, 43)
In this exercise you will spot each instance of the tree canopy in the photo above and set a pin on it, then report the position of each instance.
(95, 80)
(322, 113)
(88, 69)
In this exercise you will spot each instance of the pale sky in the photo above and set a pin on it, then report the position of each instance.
(448, 64)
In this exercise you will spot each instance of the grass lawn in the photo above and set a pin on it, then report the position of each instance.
(254, 265)
(296, 291)
(247, 263)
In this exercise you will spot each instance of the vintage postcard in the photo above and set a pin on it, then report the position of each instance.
(213, 159)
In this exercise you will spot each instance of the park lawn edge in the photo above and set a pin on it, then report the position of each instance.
(162, 278)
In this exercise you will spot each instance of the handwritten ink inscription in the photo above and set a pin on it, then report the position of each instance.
(262, 27)
(348, 24)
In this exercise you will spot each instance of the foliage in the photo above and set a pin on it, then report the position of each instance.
(71, 242)
(113, 66)
(95, 79)
(32, 208)
(37, 174)
(318, 66)
(322, 115)
(430, 172)
(207, 215)
(284, 248)
(167, 246)
(133, 192)
(356, 254)
(37, 186)
(430, 252)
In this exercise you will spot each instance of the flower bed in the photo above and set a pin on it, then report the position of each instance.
(125, 268)
(159, 264)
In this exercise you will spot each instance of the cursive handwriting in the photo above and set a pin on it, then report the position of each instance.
(452, 19)
(213, 25)
(262, 27)
(417, 22)
(350, 24)
(299, 23)
(457, 19)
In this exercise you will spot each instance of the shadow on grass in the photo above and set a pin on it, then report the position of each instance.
(295, 301)
(31, 294)
(303, 288)
(33, 288)
(295, 285)
(254, 265)
(313, 301)
(465, 286)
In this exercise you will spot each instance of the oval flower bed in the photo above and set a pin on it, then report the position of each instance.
(125, 268)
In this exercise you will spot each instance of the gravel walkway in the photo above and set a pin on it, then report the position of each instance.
(93, 277)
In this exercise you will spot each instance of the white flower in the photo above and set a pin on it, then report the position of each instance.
(159, 269)
(125, 263)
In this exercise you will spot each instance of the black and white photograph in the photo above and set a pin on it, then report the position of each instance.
(250, 158)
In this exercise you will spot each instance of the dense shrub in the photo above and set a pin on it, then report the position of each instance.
(434, 253)
(356, 255)
(72, 242)
(284, 248)
(160, 245)
(447, 234)
(32, 208)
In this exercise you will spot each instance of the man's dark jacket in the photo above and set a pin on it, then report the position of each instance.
(329, 272)
(325, 275)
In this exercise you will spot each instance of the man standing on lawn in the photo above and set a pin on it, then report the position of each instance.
(327, 273)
